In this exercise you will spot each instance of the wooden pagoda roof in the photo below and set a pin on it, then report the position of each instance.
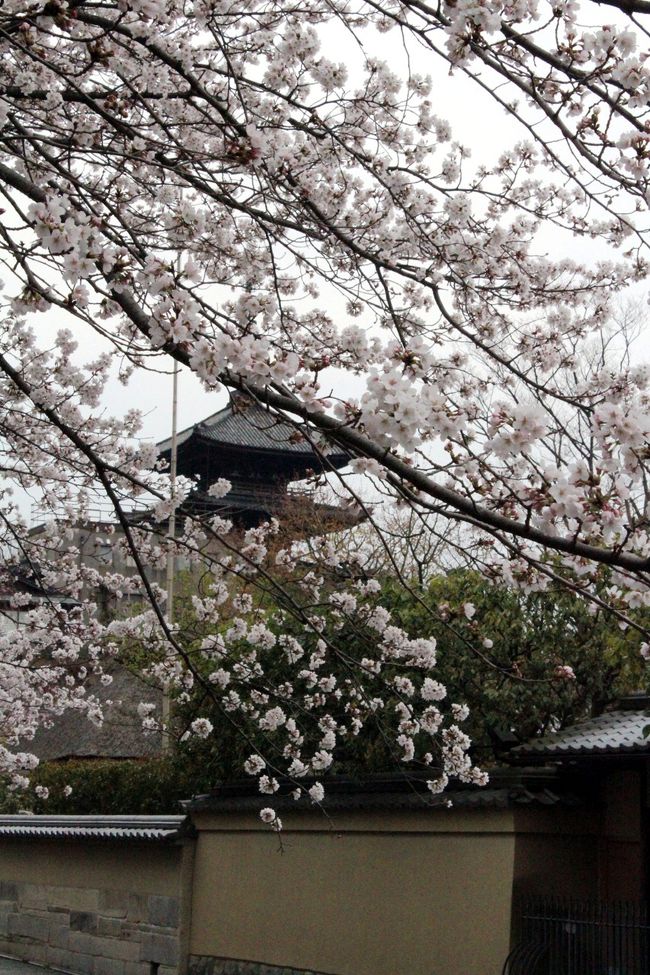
(245, 425)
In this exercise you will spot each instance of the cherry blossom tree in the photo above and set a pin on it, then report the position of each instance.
(201, 182)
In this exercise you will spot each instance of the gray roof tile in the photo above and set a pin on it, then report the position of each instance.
(250, 425)
(508, 788)
(93, 827)
(612, 733)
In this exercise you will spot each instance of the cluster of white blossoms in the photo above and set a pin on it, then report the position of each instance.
(202, 181)
(270, 818)
(44, 661)
(295, 682)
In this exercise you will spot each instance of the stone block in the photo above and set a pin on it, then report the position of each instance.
(83, 921)
(84, 943)
(60, 958)
(117, 948)
(33, 896)
(59, 914)
(8, 890)
(160, 948)
(59, 917)
(59, 934)
(53, 906)
(83, 964)
(138, 908)
(110, 927)
(13, 949)
(75, 898)
(108, 966)
(137, 968)
(134, 932)
(32, 953)
(28, 926)
(113, 903)
(163, 911)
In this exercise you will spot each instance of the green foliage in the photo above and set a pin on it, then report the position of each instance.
(105, 787)
(512, 687)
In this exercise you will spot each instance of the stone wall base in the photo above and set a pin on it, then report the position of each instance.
(89, 931)
(205, 965)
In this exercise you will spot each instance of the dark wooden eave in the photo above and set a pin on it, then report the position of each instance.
(246, 439)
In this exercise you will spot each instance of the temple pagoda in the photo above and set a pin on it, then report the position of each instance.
(260, 454)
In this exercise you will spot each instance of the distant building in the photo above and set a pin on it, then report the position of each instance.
(261, 456)
(21, 591)
(73, 736)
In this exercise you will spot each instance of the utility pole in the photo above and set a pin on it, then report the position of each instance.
(171, 542)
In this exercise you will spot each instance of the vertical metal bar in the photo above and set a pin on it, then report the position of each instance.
(602, 956)
(588, 937)
(622, 924)
(558, 933)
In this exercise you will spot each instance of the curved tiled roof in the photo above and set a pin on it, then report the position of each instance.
(478, 798)
(382, 792)
(252, 426)
(613, 733)
(93, 827)
(249, 425)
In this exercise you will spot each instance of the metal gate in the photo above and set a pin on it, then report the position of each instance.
(560, 936)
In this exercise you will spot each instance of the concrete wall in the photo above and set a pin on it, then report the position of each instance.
(378, 894)
(374, 892)
(93, 908)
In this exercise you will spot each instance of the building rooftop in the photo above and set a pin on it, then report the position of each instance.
(616, 732)
(72, 735)
(508, 787)
(245, 424)
(24, 579)
(260, 454)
